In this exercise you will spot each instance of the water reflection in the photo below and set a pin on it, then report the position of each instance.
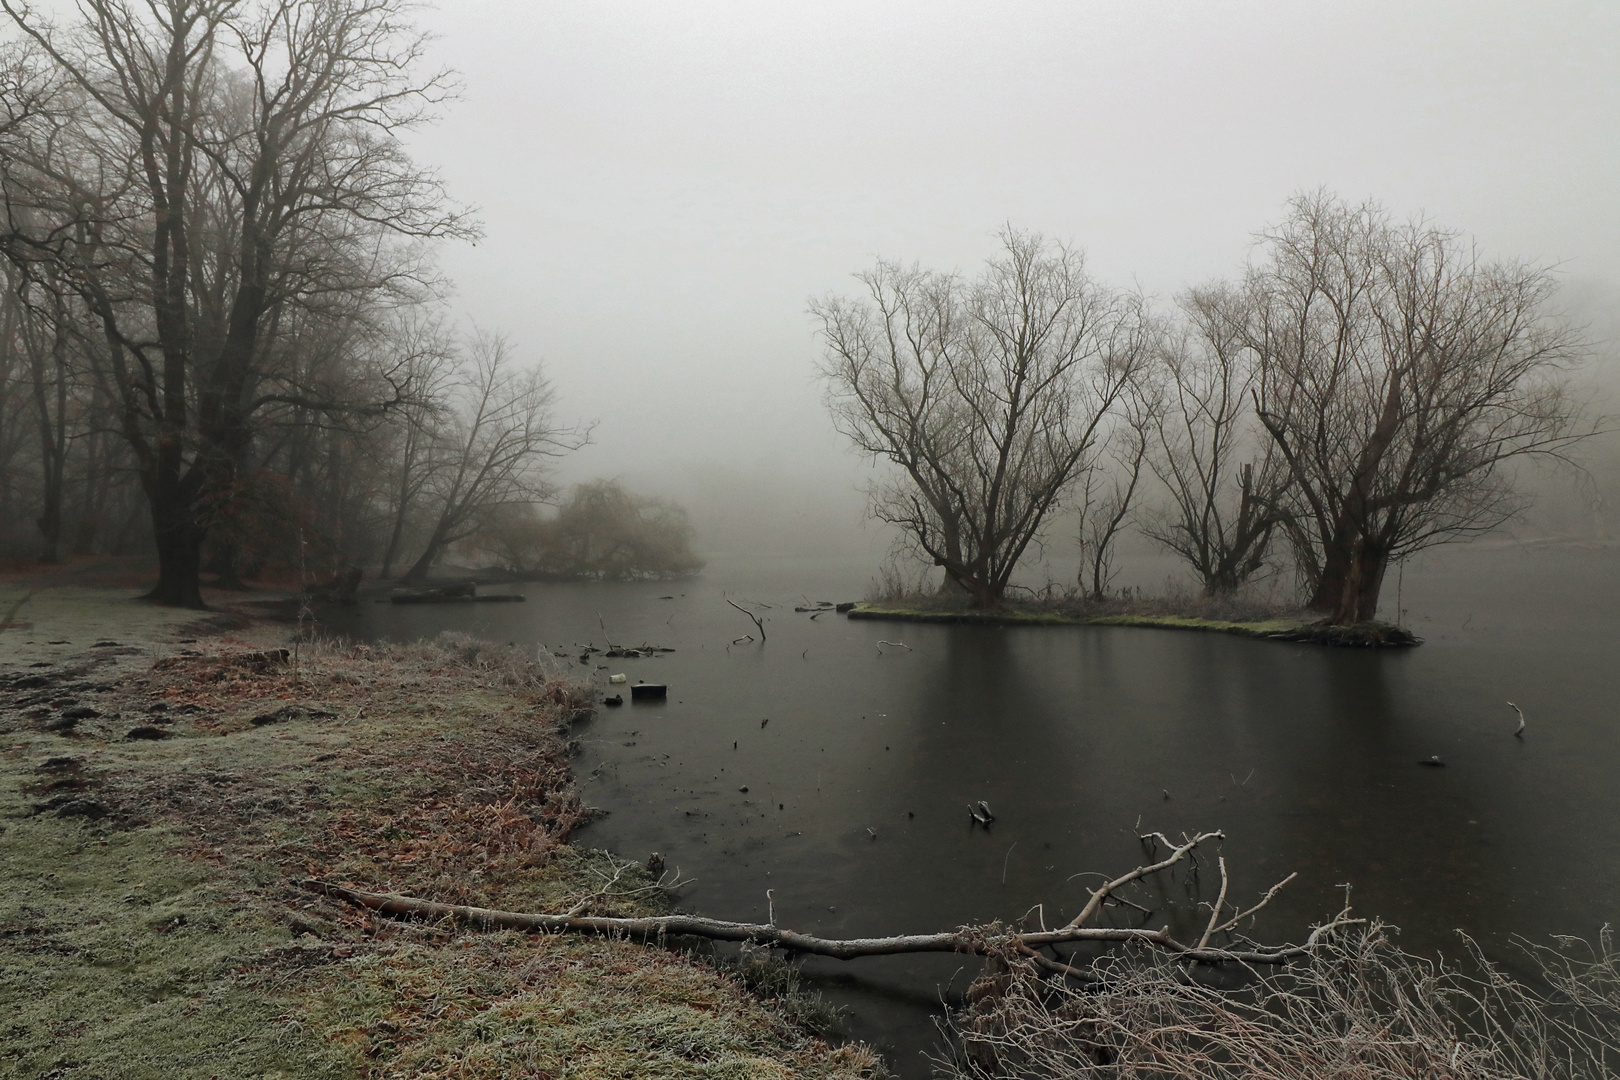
(859, 762)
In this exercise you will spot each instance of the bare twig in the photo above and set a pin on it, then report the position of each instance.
(1519, 733)
(757, 620)
(1264, 900)
(1176, 855)
(1220, 905)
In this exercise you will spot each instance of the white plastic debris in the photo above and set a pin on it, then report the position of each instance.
(616, 678)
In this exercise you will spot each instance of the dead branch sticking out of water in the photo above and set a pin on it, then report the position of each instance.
(757, 620)
(980, 941)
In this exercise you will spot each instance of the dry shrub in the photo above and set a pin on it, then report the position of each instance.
(1359, 1009)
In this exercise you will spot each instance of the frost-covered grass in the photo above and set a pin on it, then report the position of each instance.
(155, 927)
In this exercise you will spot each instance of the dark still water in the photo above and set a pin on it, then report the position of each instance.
(1079, 737)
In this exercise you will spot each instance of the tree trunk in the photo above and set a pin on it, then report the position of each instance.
(419, 570)
(52, 432)
(179, 538)
(1352, 577)
(226, 564)
(179, 550)
(50, 516)
(393, 544)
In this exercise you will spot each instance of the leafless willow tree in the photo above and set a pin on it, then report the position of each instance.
(193, 169)
(1399, 375)
(989, 396)
(491, 448)
(1224, 475)
(1109, 496)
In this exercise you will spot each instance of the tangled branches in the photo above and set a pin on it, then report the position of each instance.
(1355, 1008)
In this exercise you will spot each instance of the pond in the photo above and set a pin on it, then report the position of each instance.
(836, 772)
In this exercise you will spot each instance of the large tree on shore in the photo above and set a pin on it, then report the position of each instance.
(990, 396)
(1400, 375)
(201, 166)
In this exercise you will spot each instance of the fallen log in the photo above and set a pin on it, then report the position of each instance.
(973, 940)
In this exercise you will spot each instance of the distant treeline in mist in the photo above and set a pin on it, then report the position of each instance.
(223, 339)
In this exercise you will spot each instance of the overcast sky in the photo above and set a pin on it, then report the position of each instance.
(665, 185)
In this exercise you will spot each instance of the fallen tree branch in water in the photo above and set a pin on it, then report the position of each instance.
(974, 940)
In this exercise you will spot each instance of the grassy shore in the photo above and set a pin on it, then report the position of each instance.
(160, 800)
(1253, 621)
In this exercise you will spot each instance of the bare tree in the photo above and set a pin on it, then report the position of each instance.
(989, 396)
(1399, 374)
(1224, 474)
(222, 159)
(428, 365)
(1108, 498)
(492, 449)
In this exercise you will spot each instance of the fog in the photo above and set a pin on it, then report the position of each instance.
(664, 186)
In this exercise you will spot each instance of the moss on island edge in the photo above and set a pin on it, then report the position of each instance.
(1362, 635)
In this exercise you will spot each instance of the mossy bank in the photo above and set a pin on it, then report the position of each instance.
(160, 801)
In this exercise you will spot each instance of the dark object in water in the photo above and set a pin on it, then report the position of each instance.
(614, 700)
(461, 591)
(1433, 762)
(648, 691)
(842, 608)
(419, 598)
